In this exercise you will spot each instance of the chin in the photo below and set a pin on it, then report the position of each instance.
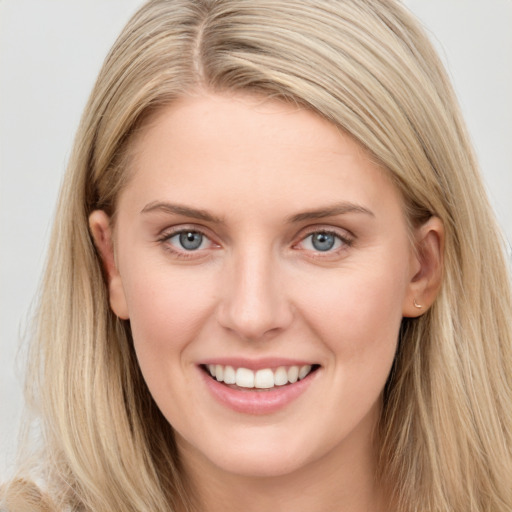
(258, 464)
(260, 456)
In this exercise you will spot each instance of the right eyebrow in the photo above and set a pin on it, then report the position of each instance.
(179, 209)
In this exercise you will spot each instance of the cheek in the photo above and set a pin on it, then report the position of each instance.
(167, 313)
(370, 295)
(358, 315)
(167, 310)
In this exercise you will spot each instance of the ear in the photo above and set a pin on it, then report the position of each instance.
(426, 268)
(100, 226)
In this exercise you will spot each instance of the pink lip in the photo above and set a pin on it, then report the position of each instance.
(255, 364)
(256, 402)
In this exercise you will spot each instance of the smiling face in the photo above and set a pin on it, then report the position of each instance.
(255, 241)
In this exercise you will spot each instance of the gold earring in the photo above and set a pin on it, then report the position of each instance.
(416, 305)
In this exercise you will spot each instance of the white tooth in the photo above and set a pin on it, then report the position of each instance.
(293, 374)
(281, 376)
(304, 370)
(229, 375)
(244, 378)
(219, 372)
(264, 379)
(211, 369)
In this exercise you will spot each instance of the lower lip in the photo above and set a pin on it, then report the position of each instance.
(265, 401)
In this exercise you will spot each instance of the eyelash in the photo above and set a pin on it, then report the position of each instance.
(345, 240)
(183, 253)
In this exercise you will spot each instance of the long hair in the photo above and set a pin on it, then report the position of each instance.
(365, 65)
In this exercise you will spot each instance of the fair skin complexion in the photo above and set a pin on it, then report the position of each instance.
(255, 234)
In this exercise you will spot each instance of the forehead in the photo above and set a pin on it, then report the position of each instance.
(213, 148)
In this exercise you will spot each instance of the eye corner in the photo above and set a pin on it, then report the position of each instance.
(187, 242)
(329, 242)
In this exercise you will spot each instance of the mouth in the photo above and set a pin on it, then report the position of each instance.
(264, 379)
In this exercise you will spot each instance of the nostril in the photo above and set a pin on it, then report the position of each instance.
(255, 322)
(254, 304)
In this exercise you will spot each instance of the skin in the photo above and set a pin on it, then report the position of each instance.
(257, 287)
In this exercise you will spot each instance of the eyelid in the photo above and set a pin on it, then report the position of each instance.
(342, 233)
(347, 238)
(170, 232)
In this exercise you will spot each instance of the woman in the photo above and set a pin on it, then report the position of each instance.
(273, 280)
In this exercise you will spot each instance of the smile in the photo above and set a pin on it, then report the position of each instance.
(265, 389)
(264, 378)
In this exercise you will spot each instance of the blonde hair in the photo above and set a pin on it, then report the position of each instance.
(367, 66)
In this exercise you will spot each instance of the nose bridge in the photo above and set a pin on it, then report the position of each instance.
(254, 303)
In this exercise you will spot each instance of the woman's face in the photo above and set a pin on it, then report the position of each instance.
(254, 241)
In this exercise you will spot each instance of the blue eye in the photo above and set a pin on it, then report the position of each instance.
(188, 240)
(322, 241)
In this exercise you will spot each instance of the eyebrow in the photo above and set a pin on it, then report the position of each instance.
(204, 215)
(179, 209)
(330, 211)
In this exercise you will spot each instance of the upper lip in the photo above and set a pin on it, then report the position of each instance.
(256, 364)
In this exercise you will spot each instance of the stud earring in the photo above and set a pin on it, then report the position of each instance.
(416, 305)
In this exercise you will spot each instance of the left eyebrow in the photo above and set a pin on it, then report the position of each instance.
(330, 211)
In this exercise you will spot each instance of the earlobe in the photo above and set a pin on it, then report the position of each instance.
(427, 265)
(100, 226)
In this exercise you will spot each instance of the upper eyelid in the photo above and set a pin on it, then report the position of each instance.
(168, 232)
(344, 239)
(182, 253)
(338, 231)
(343, 233)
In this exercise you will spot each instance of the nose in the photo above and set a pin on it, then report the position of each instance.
(254, 304)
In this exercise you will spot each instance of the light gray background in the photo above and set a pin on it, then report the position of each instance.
(50, 53)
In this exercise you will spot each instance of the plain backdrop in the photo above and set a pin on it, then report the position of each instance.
(50, 53)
